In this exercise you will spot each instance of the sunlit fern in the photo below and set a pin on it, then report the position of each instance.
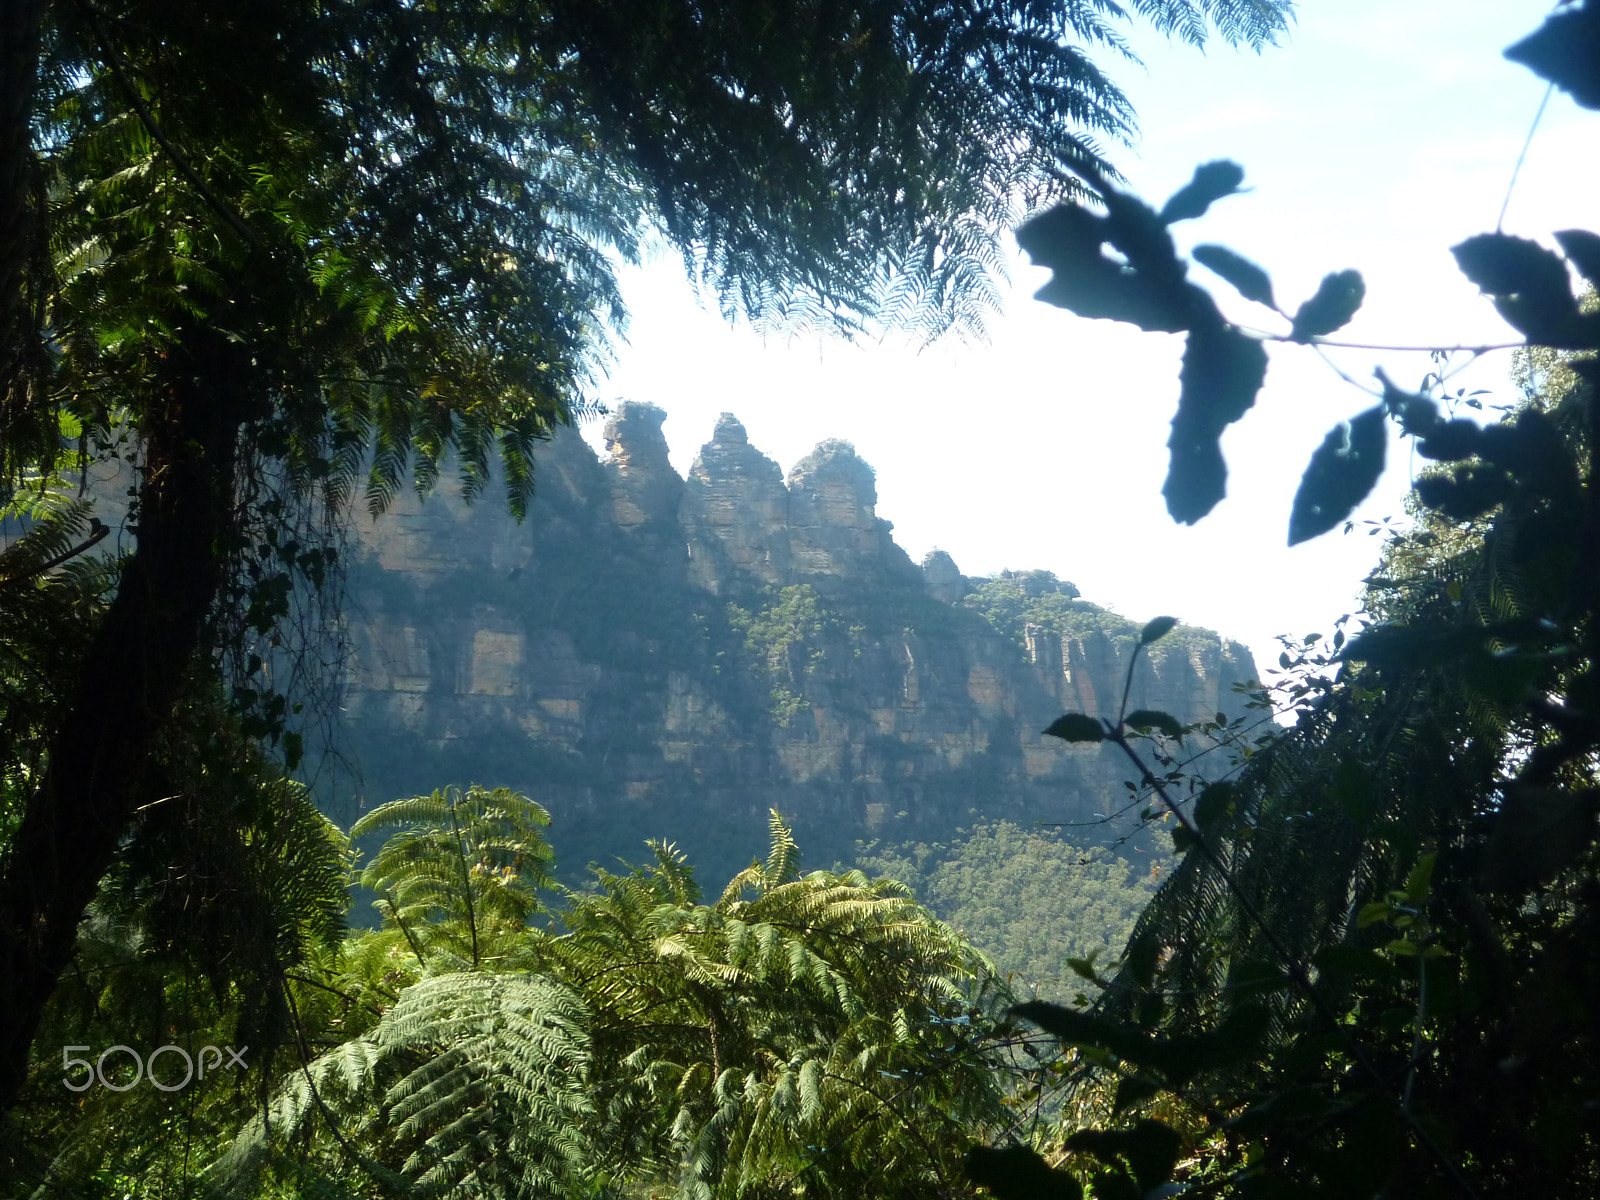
(807, 1032)
(459, 875)
(471, 1085)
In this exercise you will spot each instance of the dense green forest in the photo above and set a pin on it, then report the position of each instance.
(1013, 600)
(263, 253)
(1030, 900)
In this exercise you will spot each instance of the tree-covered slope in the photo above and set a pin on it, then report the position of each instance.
(1030, 899)
(651, 655)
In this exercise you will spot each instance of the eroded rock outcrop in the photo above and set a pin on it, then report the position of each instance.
(835, 533)
(942, 577)
(652, 656)
(735, 513)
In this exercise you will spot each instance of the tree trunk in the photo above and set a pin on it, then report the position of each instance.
(131, 679)
(20, 241)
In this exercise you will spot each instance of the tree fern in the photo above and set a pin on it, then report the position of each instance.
(51, 597)
(794, 1036)
(461, 873)
(472, 1085)
(230, 885)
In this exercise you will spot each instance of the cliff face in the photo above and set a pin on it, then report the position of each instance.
(650, 656)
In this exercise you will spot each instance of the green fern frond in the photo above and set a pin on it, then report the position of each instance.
(480, 1079)
(460, 874)
(784, 855)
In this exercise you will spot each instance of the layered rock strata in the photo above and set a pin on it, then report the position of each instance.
(652, 656)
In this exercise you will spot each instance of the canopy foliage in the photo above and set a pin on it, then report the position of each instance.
(263, 252)
(1374, 971)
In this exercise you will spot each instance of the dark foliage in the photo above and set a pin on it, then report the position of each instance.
(1375, 971)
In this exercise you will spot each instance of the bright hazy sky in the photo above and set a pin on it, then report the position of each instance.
(1379, 135)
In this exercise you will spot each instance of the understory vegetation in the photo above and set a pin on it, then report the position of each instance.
(1374, 970)
(500, 1036)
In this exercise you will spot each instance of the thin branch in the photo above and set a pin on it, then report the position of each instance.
(380, 1175)
(1141, 796)
(343, 995)
(1483, 349)
(96, 535)
(1340, 372)
(466, 879)
(1416, 1039)
(1127, 684)
(1521, 158)
(394, 911)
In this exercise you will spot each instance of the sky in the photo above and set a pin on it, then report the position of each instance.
(1376, 136)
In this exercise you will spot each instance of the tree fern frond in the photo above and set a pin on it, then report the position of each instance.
(462, 871)
(481, 1077)
(784, 855)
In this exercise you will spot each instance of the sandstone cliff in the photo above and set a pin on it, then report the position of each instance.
(652, 656)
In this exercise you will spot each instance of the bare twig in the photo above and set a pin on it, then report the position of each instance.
(1521, 158)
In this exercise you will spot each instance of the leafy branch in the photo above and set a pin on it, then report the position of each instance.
(1078, 727)
(1143, 281)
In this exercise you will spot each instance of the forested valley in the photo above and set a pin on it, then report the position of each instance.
(272, 263)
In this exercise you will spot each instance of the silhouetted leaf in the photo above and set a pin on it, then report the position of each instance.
(1018, 1173)
(1502, 265)
(1418, 415)
(1141, 957)
(1420, 881)
(1076, 727)
(1175, 1058)
(1336, 301)
(1149, 718)
(1136, 232)
(1197, 477)
(1352, 790)
(1253, 976)
(1114, 1185)
(1565, 50)
(1222, 372)
(1529, 286)
(1537, 832)
(1341, 474)
(1466, 493)
(1582, 249)
(1069, 240)
(1534, 450)
(1132, 1090)
(1250, 280)
(1084, 969)
(1451, 441)
(1281, 1110)
(1211, 182)
(1157, 628)
(1067, 237)
(1409, 647)
(1074, 1027)
(1150, 1149)
(1353, 962)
